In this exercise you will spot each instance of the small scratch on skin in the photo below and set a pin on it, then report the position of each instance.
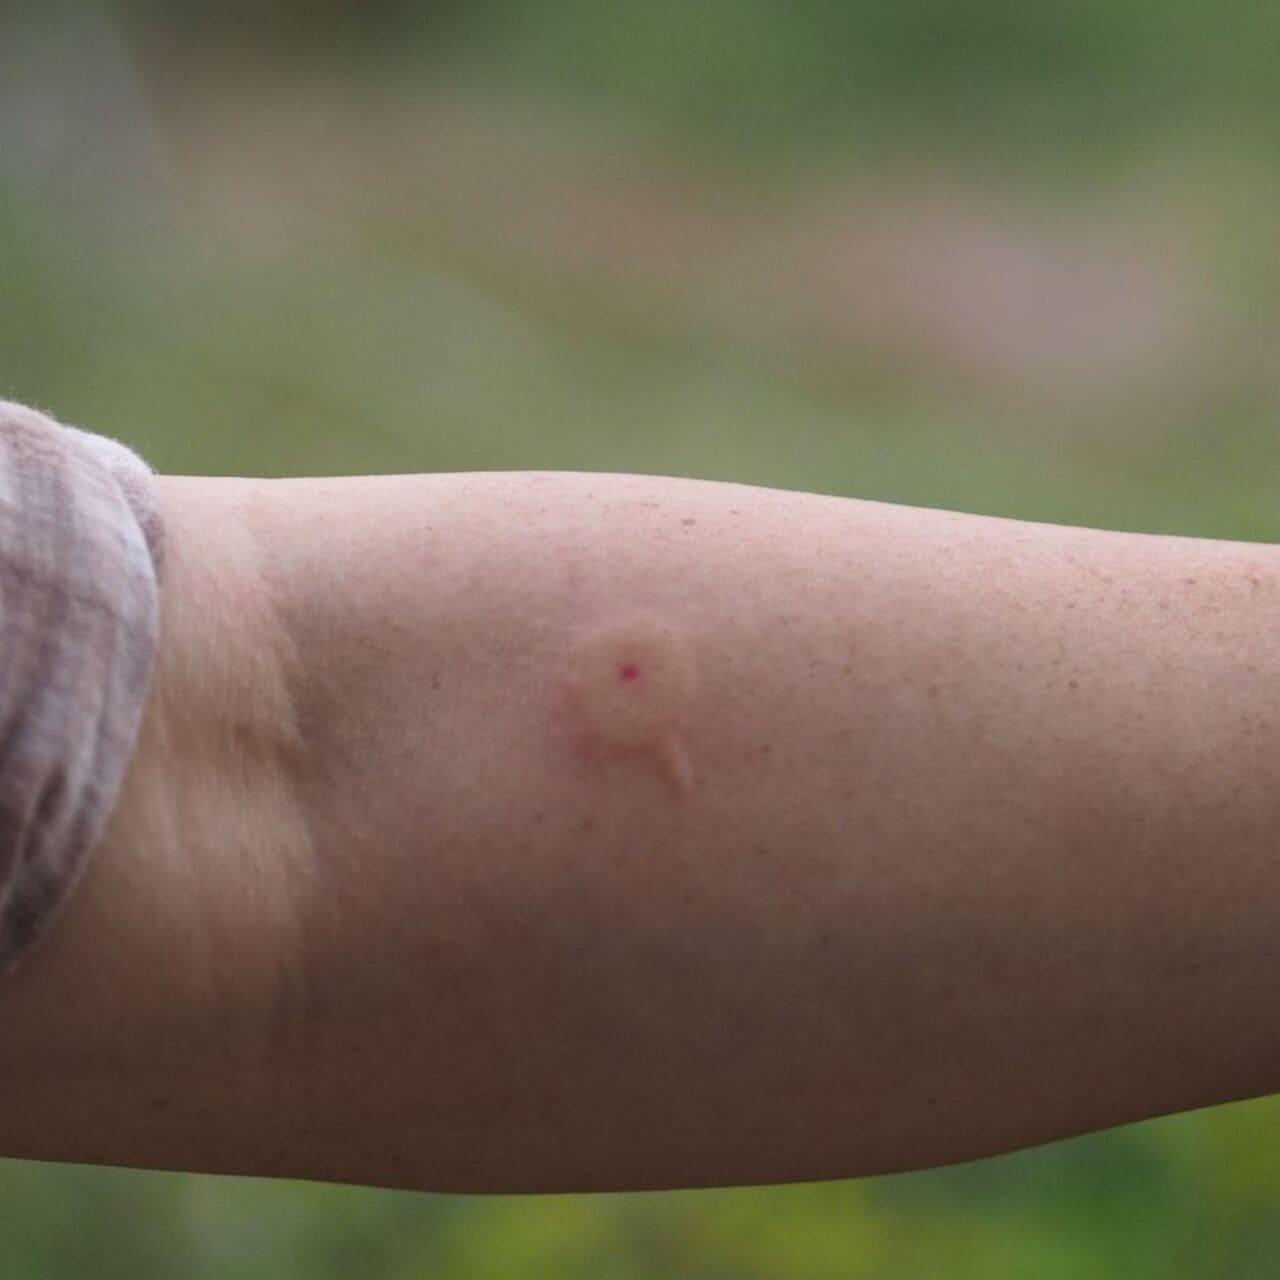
(674, 764)
(632, 684)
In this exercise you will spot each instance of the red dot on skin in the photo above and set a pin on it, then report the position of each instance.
(628, 671)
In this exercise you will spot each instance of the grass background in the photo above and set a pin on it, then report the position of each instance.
(992, 256)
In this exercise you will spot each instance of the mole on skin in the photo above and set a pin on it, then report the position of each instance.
(632, 683)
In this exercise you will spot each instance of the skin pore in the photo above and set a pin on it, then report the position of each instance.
(548, 831)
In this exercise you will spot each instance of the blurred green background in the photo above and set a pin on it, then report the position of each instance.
(993, 255)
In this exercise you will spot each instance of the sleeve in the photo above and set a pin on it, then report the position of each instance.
(81, 553)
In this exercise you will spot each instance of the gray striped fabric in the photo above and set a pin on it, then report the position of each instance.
(81, 548)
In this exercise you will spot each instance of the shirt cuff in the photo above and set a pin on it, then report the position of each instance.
(81, 555)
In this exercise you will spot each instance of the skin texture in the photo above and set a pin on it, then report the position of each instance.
(927, 836)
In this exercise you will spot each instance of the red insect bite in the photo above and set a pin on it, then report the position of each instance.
(628, 671)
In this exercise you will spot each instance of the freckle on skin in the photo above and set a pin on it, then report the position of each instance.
(632, 683)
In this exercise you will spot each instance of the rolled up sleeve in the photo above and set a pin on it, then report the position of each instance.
(81, 558)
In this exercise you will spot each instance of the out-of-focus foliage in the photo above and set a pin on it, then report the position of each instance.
(770, 76)
(994, 256)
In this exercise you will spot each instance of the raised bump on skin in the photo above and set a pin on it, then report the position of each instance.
(633, 683)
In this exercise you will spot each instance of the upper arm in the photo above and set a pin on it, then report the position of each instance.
(167, 984)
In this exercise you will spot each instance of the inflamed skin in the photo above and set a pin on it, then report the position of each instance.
(631, 683)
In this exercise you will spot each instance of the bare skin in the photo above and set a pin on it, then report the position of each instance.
(547, 832)
(632, 686)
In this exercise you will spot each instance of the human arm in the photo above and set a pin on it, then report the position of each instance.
(963, 842)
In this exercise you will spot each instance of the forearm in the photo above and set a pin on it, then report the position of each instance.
(975, 850)
(950, 835)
